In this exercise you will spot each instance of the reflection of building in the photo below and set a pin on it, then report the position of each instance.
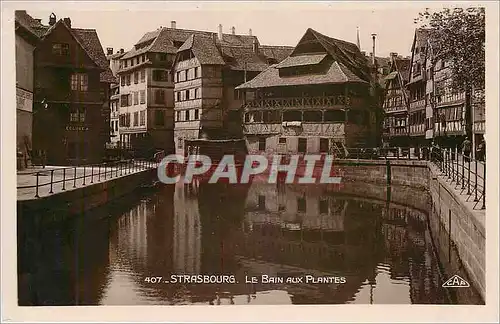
(72, 80)
(187, 230)
(317, 98)
(26, 40)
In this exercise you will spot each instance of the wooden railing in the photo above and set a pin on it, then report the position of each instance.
(302, 102)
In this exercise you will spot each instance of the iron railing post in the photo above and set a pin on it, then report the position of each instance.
(83, 184)
(484, 186)
(74, 179)
(463, 173)
(105, 171)
(64, 179)
(475, 182)
(36, 188)
(92, 174)
(51, 180)
(99, 173)
(468, 175)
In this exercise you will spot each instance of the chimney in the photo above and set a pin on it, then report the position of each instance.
(67, 21)
(393, 56)
(250, 32)
(52, 19)
(373, 56)
(363, 52)
(122, 51)
(255, 46)
(220, 32)
(233, 30)
(173, 24)
(109, 50)
(38, 20)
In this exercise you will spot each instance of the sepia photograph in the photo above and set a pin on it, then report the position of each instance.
(250, 154)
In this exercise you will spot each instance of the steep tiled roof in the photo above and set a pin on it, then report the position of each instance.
(92, 44)
(349, 65)
(240, 58)
(204, 49)
(301, 60)
(342, 51)
(235, 57)
(164, 39)
(278, 53)
(403, 67)
(337, 73)
(87, 38)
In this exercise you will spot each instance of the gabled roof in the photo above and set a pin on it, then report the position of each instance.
(209, 51)
(336, 73)
(204, 49)
(86, 38)
(345, 52)
(164, 38)
(348, 64)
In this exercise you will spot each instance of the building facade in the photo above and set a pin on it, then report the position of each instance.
(114, 100)
(26, 41)
(207, 70)
(417, 88)
(71, 107)
(395, 127)
(316, 100)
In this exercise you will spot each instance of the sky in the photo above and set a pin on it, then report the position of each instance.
(121, 25)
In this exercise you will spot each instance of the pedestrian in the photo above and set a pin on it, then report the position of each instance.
(481, 151)
(466, 147)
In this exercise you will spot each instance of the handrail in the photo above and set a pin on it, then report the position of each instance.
(101, 171)
(467, 174)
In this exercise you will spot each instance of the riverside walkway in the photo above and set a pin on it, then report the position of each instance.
(37, 182)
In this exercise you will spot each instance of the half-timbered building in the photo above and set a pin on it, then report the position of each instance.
(71, 101)
(395, 126)
(315, 100)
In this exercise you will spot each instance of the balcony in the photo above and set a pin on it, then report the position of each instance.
(305, 102)
(69, 96)
(393, 109)
(396, 131)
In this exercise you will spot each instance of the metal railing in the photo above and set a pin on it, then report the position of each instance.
(465, 173)
(67, 178)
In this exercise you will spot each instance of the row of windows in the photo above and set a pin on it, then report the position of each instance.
(324, 144)
(133, 98)
(186, 75)
(187, 115)
(357, 117)
(139, 118)
(137, 60)
(188, 94)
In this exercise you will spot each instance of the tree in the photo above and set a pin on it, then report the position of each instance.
(458, 37)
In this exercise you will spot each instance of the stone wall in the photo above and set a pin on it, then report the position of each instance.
(463, 224)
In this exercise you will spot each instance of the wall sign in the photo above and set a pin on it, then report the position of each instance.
(77, 128)
(24, 100)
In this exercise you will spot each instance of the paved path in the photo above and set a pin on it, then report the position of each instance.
(28, 178)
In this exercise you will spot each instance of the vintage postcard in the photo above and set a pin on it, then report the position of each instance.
(230, 161)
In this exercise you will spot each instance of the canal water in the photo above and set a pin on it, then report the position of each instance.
(351, 250)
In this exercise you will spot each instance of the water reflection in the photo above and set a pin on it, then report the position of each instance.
(384, 251)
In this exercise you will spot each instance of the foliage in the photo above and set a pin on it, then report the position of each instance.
(458, 37)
